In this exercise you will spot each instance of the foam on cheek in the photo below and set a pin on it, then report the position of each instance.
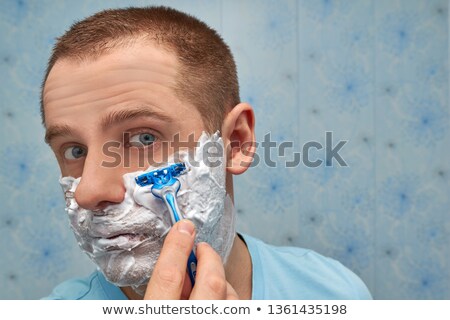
(125, 239)
(202, 196)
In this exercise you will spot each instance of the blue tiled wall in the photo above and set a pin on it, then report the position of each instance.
(372, 72)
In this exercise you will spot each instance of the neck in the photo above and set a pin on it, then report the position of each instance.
(238, 269)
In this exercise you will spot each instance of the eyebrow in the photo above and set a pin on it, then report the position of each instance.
(111, 119)
(56, 131)
(119, 116)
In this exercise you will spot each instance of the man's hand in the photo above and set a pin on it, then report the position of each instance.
(169, 280)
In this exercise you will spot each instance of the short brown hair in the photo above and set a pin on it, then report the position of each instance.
(207, 77)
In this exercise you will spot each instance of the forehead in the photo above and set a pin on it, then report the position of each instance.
(128, 64)
(81, 95)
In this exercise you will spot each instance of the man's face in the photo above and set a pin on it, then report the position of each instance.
(125, 100)
(125, 97)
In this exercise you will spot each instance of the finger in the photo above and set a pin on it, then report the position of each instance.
(210, 282)
(187, 288)
(169, 274)
(231, 293)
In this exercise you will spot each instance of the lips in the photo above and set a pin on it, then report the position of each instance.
(124, 241)
(105, 233)
(130, 236)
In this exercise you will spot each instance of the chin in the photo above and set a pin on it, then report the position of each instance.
(128, 268)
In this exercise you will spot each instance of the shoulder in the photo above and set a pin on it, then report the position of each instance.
(297, 273)
(93, 287)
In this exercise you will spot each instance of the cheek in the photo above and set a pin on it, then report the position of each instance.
(61, 165)
(136, 159)
(144, 197)
(79, 221)
(79, 218)
(74, 169)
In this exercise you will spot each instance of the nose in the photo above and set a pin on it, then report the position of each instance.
(99, 186)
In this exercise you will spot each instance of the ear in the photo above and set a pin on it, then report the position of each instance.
(238, 134)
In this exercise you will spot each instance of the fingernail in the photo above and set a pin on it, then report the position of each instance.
(186, 226)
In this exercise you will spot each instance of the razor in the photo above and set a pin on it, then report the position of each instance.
(165, 186)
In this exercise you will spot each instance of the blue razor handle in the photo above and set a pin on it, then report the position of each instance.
(165, 186)
(169, 199)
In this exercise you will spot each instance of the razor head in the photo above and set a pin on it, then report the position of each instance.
(161, 177)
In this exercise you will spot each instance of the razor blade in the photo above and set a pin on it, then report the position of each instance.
(161, 177)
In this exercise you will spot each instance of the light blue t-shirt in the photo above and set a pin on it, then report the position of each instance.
(279, 273)
(291, 273)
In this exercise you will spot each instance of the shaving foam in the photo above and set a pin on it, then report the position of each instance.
(124, 240)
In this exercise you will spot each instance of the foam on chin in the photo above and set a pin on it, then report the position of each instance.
(124, 240)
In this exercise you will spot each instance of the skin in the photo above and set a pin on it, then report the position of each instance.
(82, 102)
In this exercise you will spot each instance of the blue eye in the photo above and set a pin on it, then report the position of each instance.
(75, 152)
(142, 139)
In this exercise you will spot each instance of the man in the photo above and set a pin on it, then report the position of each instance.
(147, 79)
